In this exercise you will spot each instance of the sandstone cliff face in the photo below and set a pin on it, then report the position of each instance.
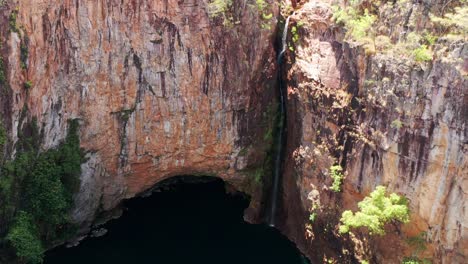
(387, 121)
(163, 89)
(160, 88)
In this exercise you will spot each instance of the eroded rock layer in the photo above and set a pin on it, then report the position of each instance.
(161, 88)
(387, 121)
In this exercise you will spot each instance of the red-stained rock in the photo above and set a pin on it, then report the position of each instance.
(160, 89)
(336, 115)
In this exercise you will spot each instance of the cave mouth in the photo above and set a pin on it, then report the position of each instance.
(186, 219)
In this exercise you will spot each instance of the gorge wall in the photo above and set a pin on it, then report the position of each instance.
(387, 120)
(166, 88)
(160, 88)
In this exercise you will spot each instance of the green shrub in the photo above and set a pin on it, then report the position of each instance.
(261, 5)
(258, 175)
(6, 191)
(360, 26)
(357, 23)
(2, 72)
(415, 260)
(410, 261)
(422, 54)
(219, 8)
(396, 124)
(430, 39)
(12, 21)
(28, 85)
(336, 172)
(295, 34)
(24, 237)
(267, 16)
(418, 242)
(53, 179)
(376, 210)
(47, 181)
(3, 137)
(45, 194)
(312, 217)
(24, 53)
(383, 43)
(455, 23)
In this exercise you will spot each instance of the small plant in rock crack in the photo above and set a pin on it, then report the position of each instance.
(312, 217)
(336, 172)
(396, 124)
(28, 85)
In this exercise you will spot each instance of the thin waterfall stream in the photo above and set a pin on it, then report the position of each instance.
(280, 139)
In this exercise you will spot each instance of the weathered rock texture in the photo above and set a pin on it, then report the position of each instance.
(345, 107)
(160, 89)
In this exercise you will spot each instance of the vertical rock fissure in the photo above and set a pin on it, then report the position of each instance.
(280, 139)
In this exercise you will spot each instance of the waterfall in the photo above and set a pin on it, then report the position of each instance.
(284, 43)
(280, 139)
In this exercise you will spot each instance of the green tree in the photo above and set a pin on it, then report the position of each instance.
(41, 185)
(376, 210)
(44, 193)
(24, 237)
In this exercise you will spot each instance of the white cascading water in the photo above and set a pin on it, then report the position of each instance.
(280, 138)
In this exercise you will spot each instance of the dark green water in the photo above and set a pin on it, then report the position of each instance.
(191, 223)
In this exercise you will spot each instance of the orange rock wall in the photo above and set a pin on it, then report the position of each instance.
(160, 89)
(342, 105)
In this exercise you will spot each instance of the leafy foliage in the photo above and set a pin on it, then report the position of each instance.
(261, 5)
(24, 237)
(295, 34)
(12, 21)
(24, 53)
(28, 85)
(418, 242)
(336, 172)
(47, 181)
(266, 16)
(422, 54)
(358, 24)
(418, 245)
(375, 211)
(312, 217)
(378, 26)
(3, 137)
(2, 72)
(414, 260)
(455, 22)
(396, 124)
(220, 8)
